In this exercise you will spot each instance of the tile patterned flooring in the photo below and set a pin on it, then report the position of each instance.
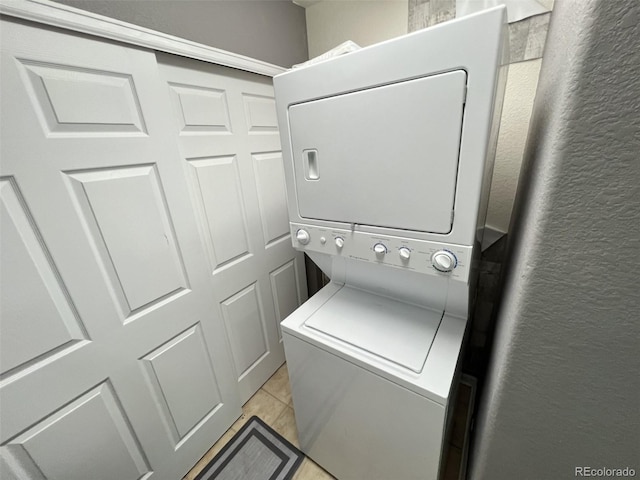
(272, 403)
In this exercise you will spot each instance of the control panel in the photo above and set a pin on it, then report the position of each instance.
(406, 253)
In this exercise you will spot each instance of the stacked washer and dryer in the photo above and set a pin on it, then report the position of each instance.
(388, 154)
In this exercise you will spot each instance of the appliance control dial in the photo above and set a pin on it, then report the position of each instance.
(444, 261)
(404, 253)
(380, 249)
(302, 236)
(339, 242)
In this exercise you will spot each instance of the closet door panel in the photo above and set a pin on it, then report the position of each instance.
(225, 124)
(112, 344)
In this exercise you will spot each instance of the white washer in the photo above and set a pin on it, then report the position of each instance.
(371, 378)
(388, 154)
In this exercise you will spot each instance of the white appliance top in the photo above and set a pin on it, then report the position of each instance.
(392, 337)
(396, 331)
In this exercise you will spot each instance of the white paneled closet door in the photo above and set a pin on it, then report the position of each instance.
(225, 122)
(113, 356)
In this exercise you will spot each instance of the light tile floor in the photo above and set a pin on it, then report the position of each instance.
(272, 403)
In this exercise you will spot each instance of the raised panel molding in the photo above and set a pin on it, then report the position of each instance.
(92, 436)
(260, 113)
(244, 319)
(284, 288)
(125, 212)
(39, 319)
(201, 110)
(218, 193)
(183, 382)
(72, 100)
(269, 173)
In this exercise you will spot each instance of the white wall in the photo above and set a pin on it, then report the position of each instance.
(331, 22)
(516, 113)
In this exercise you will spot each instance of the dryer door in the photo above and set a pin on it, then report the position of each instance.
(386, 156)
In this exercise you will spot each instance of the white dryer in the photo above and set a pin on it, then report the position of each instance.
(388, 154)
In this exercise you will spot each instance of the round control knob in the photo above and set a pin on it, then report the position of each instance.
(339, 242)
(323, 240)
(302, 236)
(444, 261)
(380, 249)
(404, 253)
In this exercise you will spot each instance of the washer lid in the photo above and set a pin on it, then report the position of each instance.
(385, 156)
(396, 331)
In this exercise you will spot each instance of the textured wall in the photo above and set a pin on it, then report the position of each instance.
(331, 22)
(273, 31)
(563, 387)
